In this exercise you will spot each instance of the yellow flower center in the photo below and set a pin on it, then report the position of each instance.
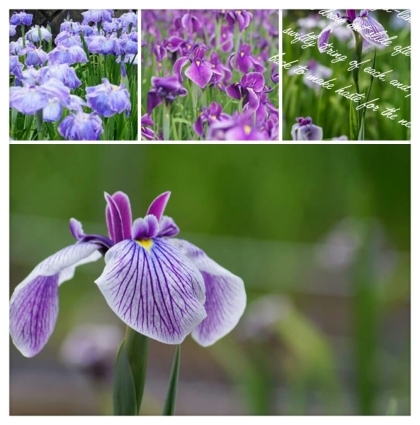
(242, 54)
(146, 244)
(247, 129)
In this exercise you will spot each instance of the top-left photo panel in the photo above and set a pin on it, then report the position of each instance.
(73, 75)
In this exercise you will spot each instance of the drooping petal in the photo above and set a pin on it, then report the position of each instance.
(252, 101)
(154, 289)
(157, 207)
(76, 229)
(199, 72)
(234, 91)
(326, 32)
(34, 303)
(225, 295)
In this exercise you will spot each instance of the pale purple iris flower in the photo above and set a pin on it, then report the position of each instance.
(34, 56)
(103, 45)
(30, 98)
(164, 89)
(162, 287)
(97, 15)
(304, 129)
(315, 71)
(81, 126)
(37, 33)
(370, 29)
(12, 30)
(68, 39)
(21, 18)
(15, 67)
(63, 72)
(107, 99)
(69, 55)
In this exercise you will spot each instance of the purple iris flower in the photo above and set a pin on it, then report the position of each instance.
(81, 126)
(29, 98)
(190, 23)
(199, 72)
(146, 132)
(97, 15)
(245, 61)
(128, 43)
(306, 130)
(69, 55)
(15, 67)
(242, 17)
(63, 72)
(370, 29)
(106, 99)
(52, 111)
(274, 74)
(226, 39)
(37, 33)
(68, 39)
(162, 287)
(70, 26)
(21, 18)
(315, 70)
(160, 52)
(224, 74)
(129, 18)
(237, 127)
(34, 56)
(209, 115)
(12, 30)
(103, 45)
(250, 89)
(164, 89)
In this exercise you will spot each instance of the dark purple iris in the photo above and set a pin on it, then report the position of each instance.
(146, 132)
(241, 17)
(164, 88)
(250, 89)
(245, 61)
(209, 115)
(224, 74)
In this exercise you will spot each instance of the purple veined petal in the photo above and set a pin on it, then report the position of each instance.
(154, 289)
(225, 295)
(114, 220)
(145, 228)
(324, 36)
(367, 27)
(234, 91)
(167, 227)
(34, 302)
(157, 207)
(178, 65)
(254, 80)
(122, 202)
(199, 72)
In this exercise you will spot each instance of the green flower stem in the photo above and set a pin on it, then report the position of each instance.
(39, 124)
(170, 401)
(22, 30)
(166, 121)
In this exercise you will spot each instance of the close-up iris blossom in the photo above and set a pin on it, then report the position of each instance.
(162, 287)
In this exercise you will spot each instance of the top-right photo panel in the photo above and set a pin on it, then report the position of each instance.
(346, 74)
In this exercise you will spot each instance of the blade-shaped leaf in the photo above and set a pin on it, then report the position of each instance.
(124, 393)
(170, 401)
(353, 122)
(137, 346)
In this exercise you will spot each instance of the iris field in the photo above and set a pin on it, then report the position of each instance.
(332, 115)
(79, 84)
(207, 75)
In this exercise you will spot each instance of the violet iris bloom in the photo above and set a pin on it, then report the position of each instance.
(29, 98)
(209, 115)
(226, 39)
(38, 33)
(164, 89)
(68, 39)
(316, 70)
(15, 67)
(34, 56)
(199, 72)
(306, 130)
(224, 74)
(81, 126)
(162, 287)
(103, 45)
(244, 60)
(21, 18)
(242, 17)
(370, 29)
(69, 55)
(237, 127)
(66, 74)
(106, 99)
(97, 15)
(250, 88)
(146, 132)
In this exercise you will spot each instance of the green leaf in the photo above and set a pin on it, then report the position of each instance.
(137, 346)
(170, 401)
(124, 393)
(353, 122)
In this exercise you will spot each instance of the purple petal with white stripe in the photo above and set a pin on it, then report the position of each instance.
(157, 207)
(225, 295)
(34, 303)
(326, 32)
(118, 216)
(368, 27)
(154, 289)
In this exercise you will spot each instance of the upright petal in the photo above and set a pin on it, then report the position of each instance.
(122, 201)
(118, 216)
(225, 295)
(34, 303)
(371, 30)
(154, 289)
(157, 207)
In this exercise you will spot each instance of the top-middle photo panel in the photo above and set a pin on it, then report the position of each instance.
(209, 75)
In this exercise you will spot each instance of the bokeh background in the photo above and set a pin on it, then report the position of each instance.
(319, 233)
(330, 110)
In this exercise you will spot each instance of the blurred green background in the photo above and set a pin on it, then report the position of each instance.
(319, 233)
(330, 110)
